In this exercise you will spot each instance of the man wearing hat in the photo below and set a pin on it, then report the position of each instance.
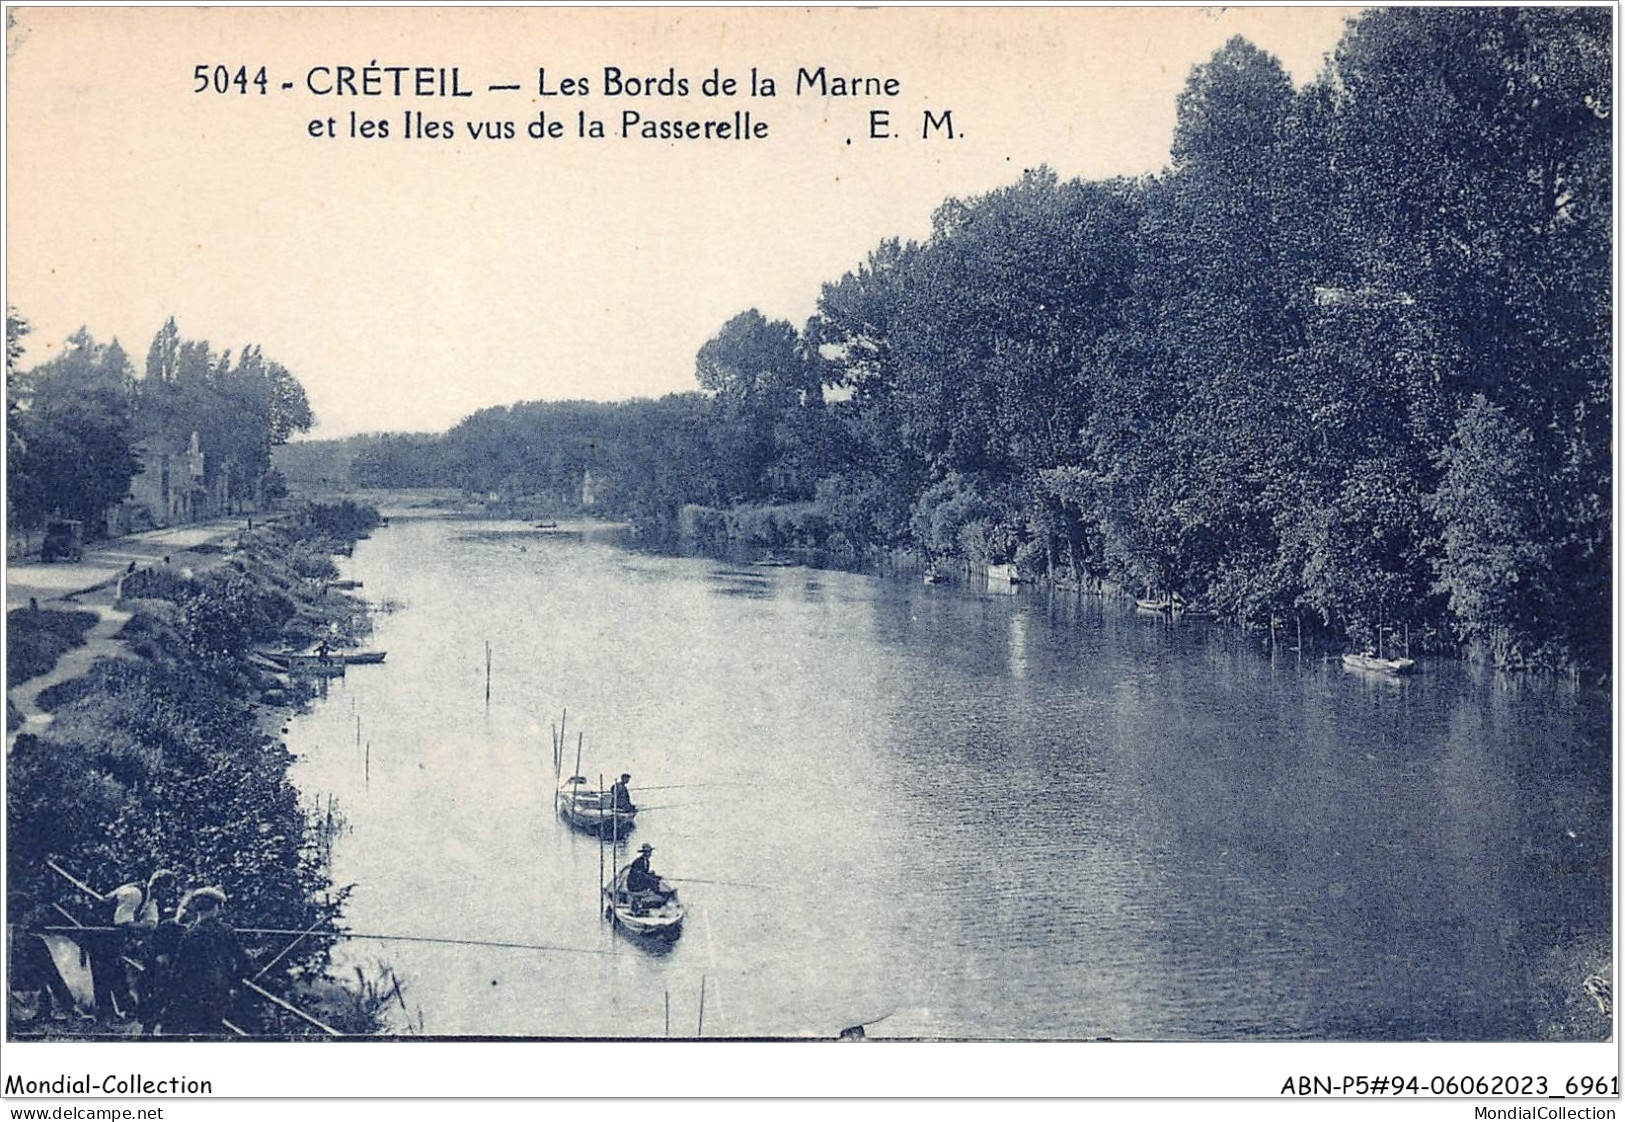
(641, 878)
(207, 969)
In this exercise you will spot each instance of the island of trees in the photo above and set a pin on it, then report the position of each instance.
(1344, 364)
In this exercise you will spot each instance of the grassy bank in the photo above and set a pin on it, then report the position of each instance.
(163, 761)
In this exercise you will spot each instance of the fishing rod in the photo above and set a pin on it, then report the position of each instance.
(284, 951)
(426, 939)
(288, 931)
(75, 881)
(726, 883)
(295, 1010)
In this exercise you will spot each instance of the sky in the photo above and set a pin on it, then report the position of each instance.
(408, 281)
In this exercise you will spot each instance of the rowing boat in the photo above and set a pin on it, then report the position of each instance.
(308, 662)
(1380, 665)
(592, 810)
(332, 662)
(652, 915)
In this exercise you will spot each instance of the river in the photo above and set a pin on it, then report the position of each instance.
(947, 813)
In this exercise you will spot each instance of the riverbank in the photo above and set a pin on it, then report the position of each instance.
(155, 746)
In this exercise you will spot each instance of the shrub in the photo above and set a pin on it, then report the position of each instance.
(36, 639)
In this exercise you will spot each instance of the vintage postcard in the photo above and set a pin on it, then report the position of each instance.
(603, 552)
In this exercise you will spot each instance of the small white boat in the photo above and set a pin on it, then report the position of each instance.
(592, 810)
(653, 915)
(1380, 665)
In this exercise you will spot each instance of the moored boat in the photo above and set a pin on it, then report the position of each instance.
(1375, 663)
(334, 661)
(308, 663)
(592, 810)
(1154, 605)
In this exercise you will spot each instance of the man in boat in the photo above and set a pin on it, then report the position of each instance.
(620, 795)
(640, 878)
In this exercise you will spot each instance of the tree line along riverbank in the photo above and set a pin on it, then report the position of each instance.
(1343, 366)
(166, 755)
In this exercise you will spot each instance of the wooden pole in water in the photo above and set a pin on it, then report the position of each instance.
(700, 1031)
(367, 763)
(488, 672)
(600, 829)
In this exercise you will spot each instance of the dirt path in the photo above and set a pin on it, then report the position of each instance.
(99, 643)
(91, 584)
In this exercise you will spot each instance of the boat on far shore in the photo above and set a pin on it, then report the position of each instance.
(1375, 663)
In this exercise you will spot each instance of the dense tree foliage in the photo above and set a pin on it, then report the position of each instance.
(1346, 362)
(71, 434)
(240, 410)
(78, 422)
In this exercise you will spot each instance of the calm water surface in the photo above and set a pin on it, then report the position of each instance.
(979, 817)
